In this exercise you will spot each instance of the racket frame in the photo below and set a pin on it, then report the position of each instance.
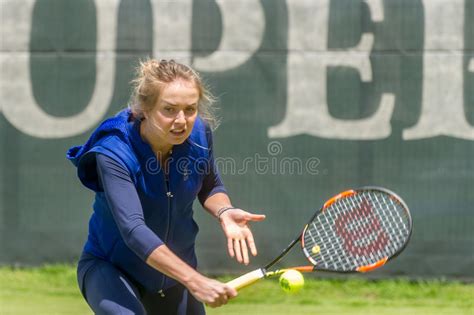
(257, 274)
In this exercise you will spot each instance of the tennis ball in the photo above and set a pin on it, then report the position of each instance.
(291, 281)
(316, 249)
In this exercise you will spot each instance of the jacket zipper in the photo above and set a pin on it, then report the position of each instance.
(169, 195)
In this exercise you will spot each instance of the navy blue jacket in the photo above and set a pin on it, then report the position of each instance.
(167, 209)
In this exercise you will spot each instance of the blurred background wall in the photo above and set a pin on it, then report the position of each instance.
(316, 96)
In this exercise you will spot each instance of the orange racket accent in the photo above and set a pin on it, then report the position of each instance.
(373, 266)
(335, 198)
(303, 268)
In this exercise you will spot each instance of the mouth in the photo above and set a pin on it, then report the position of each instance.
(178, 132)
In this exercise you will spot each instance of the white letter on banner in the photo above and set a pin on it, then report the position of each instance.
(308, 58)
(16, 94)
(172, 29)
(376, 10)
(243, 26)
(442, 110)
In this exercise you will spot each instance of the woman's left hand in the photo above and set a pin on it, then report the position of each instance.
(235, 223)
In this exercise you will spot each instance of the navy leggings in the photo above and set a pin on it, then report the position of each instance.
(108, 291)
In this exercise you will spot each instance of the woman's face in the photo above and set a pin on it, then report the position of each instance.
(172, 119)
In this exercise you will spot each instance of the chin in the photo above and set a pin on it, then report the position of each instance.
(176, 141)
(180, 141)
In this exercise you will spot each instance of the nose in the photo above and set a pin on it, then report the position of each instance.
(180, 118)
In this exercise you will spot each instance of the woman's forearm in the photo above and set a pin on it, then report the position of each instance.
(209, 291)
(216, 202)
(165, 261)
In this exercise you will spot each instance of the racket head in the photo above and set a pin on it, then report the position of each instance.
(357, 231)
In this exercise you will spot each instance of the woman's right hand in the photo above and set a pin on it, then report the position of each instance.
(206, 290)
(210, 291)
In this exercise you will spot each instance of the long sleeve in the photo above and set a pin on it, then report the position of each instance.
(212, 183)
(125, 206)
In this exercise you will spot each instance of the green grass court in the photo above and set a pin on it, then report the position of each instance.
(53, 290)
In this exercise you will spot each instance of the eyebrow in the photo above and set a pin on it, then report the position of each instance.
(176, 105)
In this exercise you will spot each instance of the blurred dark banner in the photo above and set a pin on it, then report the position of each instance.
(316, 97)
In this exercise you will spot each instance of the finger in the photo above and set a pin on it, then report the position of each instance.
(230, 247)
(255, 217)
(245, 251)
(216, 300)
(238, 253)
(231, 292)
(224, 298)
(220, 300)
(251, 243)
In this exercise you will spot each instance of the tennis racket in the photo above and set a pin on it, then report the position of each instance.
(355, 231)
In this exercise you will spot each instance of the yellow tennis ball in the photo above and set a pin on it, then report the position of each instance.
(291, 281)
(316, 249)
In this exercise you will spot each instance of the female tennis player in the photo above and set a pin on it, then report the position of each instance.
(146, 166)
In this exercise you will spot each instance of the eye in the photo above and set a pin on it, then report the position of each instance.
(169, 109)
(191, 109)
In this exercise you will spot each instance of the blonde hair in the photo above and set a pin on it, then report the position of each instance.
(152, 75)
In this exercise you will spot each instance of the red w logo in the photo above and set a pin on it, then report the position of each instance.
(361, 231)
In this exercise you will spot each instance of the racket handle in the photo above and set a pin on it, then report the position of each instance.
(247, 279)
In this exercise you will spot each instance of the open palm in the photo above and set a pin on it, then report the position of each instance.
(235, 224)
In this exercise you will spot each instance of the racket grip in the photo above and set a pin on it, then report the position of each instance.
(247, 279)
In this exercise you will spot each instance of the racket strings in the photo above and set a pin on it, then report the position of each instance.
(357, 230)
